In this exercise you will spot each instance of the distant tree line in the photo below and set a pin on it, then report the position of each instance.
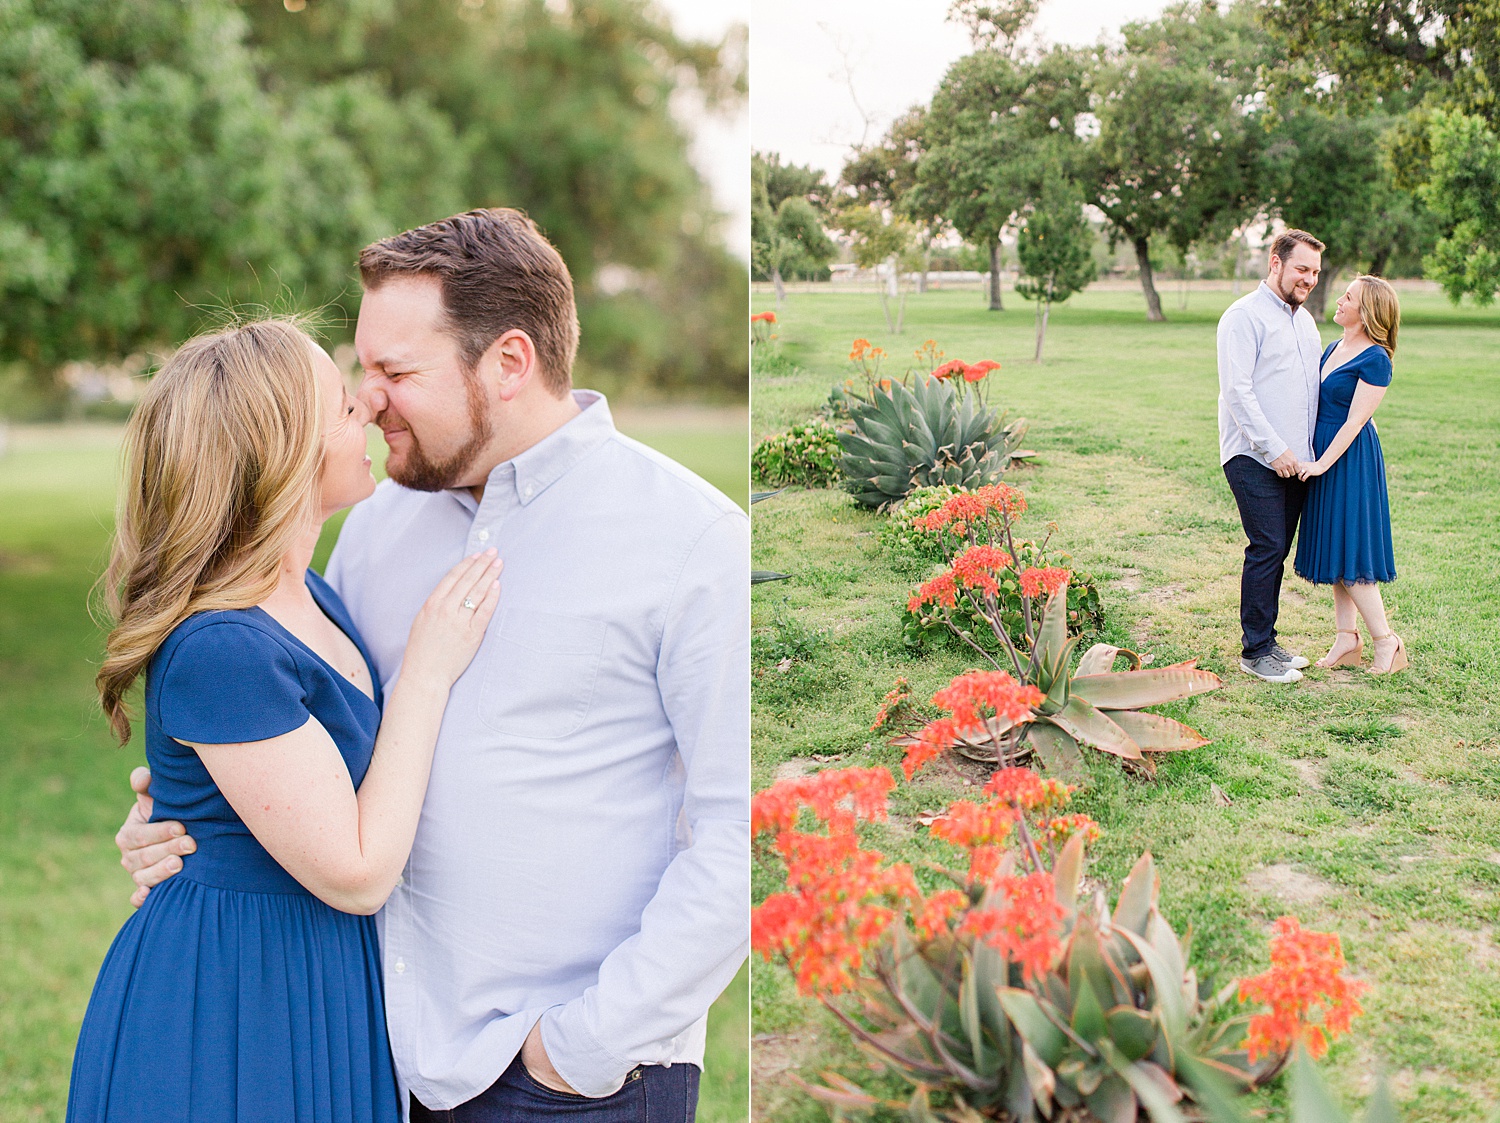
(161, 160)
(1375, 125)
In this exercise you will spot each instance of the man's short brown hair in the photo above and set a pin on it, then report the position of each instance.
(1289, 238)
(497, 273)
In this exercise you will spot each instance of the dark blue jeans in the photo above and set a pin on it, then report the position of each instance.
(650, 1094)
(1269, 509)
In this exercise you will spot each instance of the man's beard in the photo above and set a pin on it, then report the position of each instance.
(420, 473)
(1291, 296)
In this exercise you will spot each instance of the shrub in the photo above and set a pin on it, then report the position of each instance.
(914, 546)
(805, 454)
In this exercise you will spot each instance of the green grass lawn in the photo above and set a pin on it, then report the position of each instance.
(1365, 806)
(63, 785)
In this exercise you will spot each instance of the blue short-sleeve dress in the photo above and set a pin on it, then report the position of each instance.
(234, 995)
(1346, 520)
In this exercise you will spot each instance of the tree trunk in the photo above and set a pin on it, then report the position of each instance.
(1043, 308)
(926, 267)
(995, 305)
(780, 285)
(901, 312)
(1148, 286)
(1317, 300)
(885, 306)
(1380, 261)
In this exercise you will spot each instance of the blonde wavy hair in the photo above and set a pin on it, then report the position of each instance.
(1379, 312)
(221, 465)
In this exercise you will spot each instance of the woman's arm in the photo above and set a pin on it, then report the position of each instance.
(295, 793)
(1361, 409)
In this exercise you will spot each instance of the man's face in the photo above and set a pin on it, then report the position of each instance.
(434, 414)
(1295, 277)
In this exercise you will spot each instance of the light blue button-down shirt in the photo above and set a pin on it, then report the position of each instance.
(1268, 378)
(583, 852)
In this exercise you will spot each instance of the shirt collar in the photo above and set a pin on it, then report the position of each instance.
(1283, 305)
(532, 472)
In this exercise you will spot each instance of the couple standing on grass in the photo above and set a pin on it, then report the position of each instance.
(562, 885)
(1296, 442)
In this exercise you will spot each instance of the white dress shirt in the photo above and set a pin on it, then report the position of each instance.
(1268, 378)
(583, 852)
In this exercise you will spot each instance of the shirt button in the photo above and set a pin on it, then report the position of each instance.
(400, 880)
(484, 536)
(528, 491)
(400, 966)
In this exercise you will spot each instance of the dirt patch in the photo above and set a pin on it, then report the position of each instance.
(1163, 593)
(1129, 580)
(1287, 883)
(791, 769)
(772, 1057)
(26, 564)
(1308, 771)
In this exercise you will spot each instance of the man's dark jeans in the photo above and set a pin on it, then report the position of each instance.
(1269, 509)
(650, 1094)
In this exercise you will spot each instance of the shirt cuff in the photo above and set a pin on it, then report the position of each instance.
(1275, 449)
(589, 1068)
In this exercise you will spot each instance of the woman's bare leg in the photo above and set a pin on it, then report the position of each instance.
(1345, 620)
(1368, 601)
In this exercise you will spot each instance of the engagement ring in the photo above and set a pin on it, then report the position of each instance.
(469, 604)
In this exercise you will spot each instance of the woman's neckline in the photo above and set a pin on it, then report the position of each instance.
(337, 674)
(1327, 373)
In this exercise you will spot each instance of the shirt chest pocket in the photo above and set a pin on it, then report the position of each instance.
(541, 675)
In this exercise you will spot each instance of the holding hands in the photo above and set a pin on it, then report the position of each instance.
(1307, 469)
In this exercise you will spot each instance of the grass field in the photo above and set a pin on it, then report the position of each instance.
(1365, 806)
(63, 783)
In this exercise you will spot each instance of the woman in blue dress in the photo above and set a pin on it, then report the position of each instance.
(1345, 536)
(247, 988)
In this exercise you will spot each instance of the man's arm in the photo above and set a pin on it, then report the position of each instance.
(150, 851)
(695, 931)
(1238, 349)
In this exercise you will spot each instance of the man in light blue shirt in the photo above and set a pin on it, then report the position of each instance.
(578, 891)
(1268, 350)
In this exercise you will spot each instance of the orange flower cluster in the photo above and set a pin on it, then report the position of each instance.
(938, 911)
(1026, 923)
(1305, 977)
(977, 566)
(842, 905)
(1063, 827)
(1027, 791)
(836, 797)
(763, 317)
(840, 902)
(857, 351)
(970, 698)
(1035, 582)
(941, 590)
(971, 372)
(895, 699)
(976, 507)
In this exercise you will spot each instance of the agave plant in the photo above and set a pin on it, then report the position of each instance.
(1017, 997)
(933, 432)
(1118, 1026)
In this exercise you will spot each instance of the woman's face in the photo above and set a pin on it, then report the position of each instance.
(1346, 314)
(346, 477)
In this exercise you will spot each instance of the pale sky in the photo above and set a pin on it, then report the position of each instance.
(721, 145)
(827, 74)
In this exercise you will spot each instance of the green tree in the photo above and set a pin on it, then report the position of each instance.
(144, 171)
(786, 228)
(1440, 58)
(1464, 190)
(885, 174)
(994, 127)
(881, 238)
(1178, 148)
(1055, 248)
(1330, 176)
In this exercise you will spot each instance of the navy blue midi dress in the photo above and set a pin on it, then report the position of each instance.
(1346, 519)
(233, 994)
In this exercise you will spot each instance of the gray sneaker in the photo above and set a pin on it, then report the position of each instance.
(1270, 669)
(1296, 662)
